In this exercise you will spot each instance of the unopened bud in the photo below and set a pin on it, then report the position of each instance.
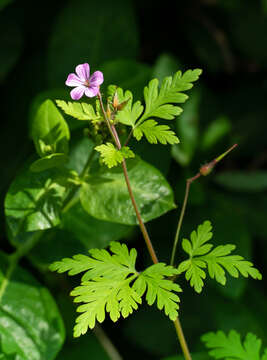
(115, 100)
(206, 169)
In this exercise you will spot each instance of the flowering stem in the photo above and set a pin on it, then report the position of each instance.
(148, 242)
(187, 188)
(204, 170)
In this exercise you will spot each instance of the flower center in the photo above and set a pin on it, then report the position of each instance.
(86, 83)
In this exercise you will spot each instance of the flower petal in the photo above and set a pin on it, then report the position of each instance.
(91, 91)
(73, 80)
(97, 78)
(77, 92)
(83, 71)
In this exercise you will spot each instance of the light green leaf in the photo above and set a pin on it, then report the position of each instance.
(230, 347)
(217, 260)
(48, 162)
(159, 289)
(109, 286)
(105, 286)
(105, 195)
(159, 102)
(49, 130)
(154, 133)
(30, 323)
(112, 156)
(131, 112)
(33, 202)
(80, 111)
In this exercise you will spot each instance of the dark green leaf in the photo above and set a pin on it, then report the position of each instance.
(85, 347)
(48, 162)
(243, 181)
(49, 130)
(195, 356)
(105, 195)
(30, 324)
(10, 42)
(166, 65)
(91, 232)
(215, 131)
(103, 35)
(33, 202)
(187, 130)
(79, 233)
(127, 74)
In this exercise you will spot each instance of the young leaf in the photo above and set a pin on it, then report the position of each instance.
(109, 286)
(158, 288)
(159, 102)
(154, 133)
(231, 347)
(112, 156)
(80, 111)
(217, 260)
(130, 112)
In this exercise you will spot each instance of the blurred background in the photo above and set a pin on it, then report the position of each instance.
(131, 42)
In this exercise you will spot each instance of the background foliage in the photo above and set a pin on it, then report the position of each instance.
(132, 42)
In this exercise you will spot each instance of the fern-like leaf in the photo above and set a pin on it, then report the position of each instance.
(80, 111)
(130, 112)
(154, 133)
(112, 285)
(159, 103)
(229, 347)
(217, 260)
(158, 288)
(112, 156)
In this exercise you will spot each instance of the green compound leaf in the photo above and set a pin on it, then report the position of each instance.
(158, 288)
(49, 130)
(105, 196)
(159, 102)
(80, 111)
(112, 156)
(154, 133)
(30, 323)
(130, 112)
(33, 202)
(109, 286)
(230, 347)
(217, 260)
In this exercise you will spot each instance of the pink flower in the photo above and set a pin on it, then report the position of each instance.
(83, 82)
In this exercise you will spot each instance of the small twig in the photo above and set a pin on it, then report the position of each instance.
(106, 343)
(204, 171)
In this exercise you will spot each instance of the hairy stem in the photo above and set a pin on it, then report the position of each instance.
(143, 229)
(204, 170)
(187, 188)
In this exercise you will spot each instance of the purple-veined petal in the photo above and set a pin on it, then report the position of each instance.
(73, 80)
(97, 78)
(91, 91)
(83, 71)
(77, 92)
